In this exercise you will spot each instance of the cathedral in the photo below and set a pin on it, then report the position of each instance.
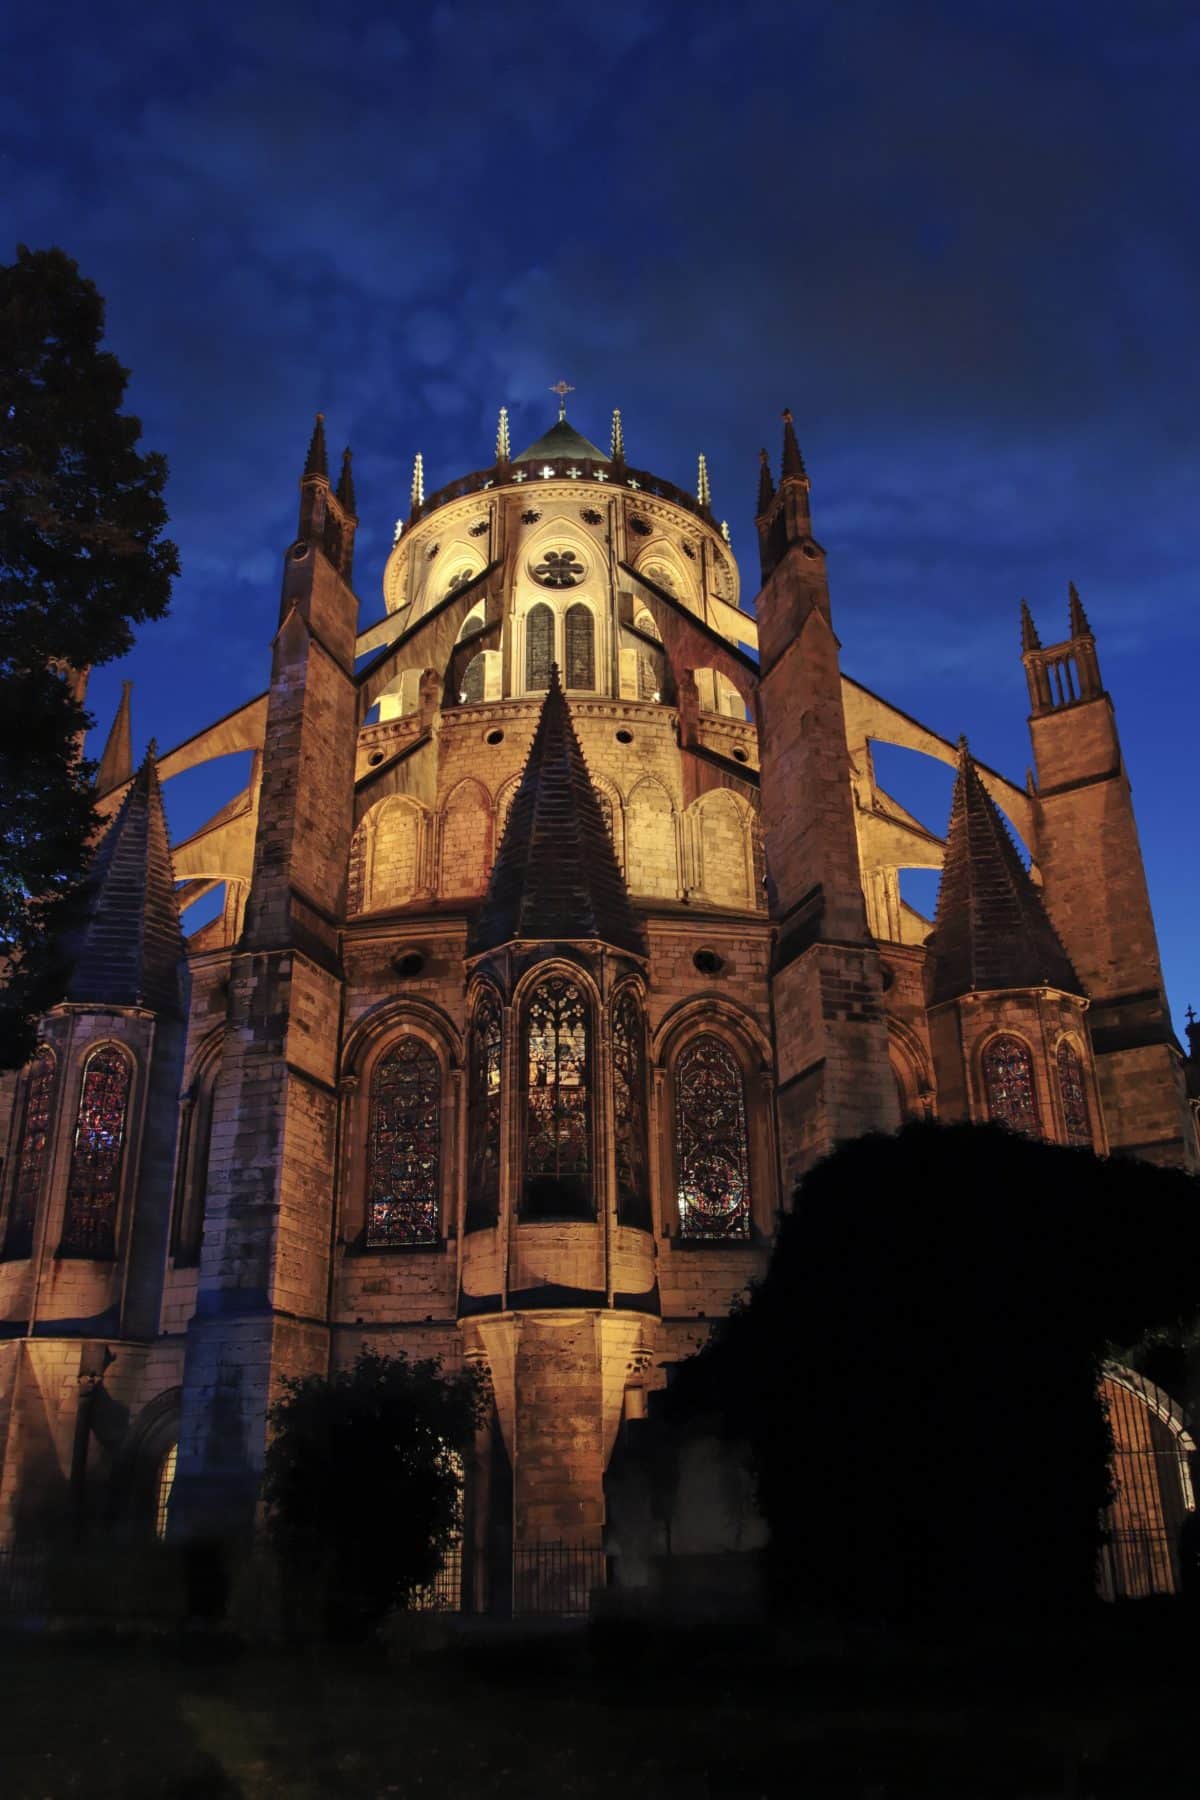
(559, 930)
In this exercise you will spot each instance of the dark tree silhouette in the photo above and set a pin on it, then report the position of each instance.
(82, 560)
(362, 1481)
(916, 1375)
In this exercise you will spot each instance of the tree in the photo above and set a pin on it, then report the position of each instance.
(916, 1375)
(363, 1481)
(83, 560)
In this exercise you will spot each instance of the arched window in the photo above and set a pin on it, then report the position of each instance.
(649, 682)
(404, 1135)
(1153, 1489)
(471, 692)
(93, 1189)
(31, 1153)
(711, 1142)
(162, 1490)
(1074, 1095)
(1008, 1084)
(483, 1181)
(196, 1140)
(581, 647)
(558, 1112)
(629, 1111)
(539, 647)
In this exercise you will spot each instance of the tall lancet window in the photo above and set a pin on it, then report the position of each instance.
(1074, 1095)
(539, 647)
(581, 647)
(558, 1108)
(711, 1142)
(94, 1185)
(404, 1145)
(483, 1179)
(32, 1153)
(629, 1111)
(1008, 1084)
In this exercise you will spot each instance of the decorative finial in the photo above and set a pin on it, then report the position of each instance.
(503, 444)
(766, 486)
(562, 389)
(703, 490)
(725, 532)
(555, 683)
(617, 447)
(793, 462)
(315, 463)
(964, 754)
(1029, 637)
(418, 482)
(1079, 619)
(345, 486)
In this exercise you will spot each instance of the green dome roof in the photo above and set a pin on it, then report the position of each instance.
(562, 439)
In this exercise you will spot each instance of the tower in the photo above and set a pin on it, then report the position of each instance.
(830, 1026)
(1094, 884)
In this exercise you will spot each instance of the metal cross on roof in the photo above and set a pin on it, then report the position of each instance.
(562, 389)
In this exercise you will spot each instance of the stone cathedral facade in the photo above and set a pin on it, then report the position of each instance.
(560, 932)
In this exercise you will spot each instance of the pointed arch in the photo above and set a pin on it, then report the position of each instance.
(558, 1025)
(722, 844)
(651, 838)
(613, 811)
(712, 1142)
(483, 1108)
(98, 1154)
(195, 1138)
(404, 1146)
(506, 793)
(661, 563)
(466, 839)
(1073, 1093)
(1010, 1091)
(579, 647)
(539, 646)
(396, 848)
(629, 1065)
(31, 1159)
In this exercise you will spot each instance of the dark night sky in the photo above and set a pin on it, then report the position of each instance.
(960, 241)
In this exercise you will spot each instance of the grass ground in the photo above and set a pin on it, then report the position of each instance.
(673, 1718)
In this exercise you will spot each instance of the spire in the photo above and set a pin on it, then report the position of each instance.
(503, 442)
(556, 875)
(418, 481)
(116, 764)
(1078, 618)
(725, 532)
(766, 486)
(1029, 637)
(316, 462)
(129, 948)
(345, 487)
(793, 462)
(703, 490)
(991, 931)
(617, 449)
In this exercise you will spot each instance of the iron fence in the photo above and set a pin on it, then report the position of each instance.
(556, 1580)
(444, 1594)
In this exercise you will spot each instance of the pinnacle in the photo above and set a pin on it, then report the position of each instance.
(116, 763)
(703, 487)
(1029, 636)
(345, 486)
(793, 462)
(617, 445)
(316, 462)
(1078, 618)
(766, 485)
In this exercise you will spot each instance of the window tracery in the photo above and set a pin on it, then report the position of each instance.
(539, 647)
(404, 1147)
(93, 1188)
(629, 1111)
(1008, 1085)
(32, 1154)
(712, 1145)
(1074, 1095)
(483, 1186)
(559, 569)
(581, 647)
(471, 692)
(162, 1490)
(558, 1128)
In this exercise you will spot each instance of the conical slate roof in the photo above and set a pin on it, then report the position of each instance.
(562, 439)
(129, 950)
(992, 931)
(556, 873)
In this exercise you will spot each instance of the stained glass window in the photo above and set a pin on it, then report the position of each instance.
(1074, 1095)
(471, 693)
(539, 647)
(581, 655)
(483, 1182)
(629, 1110)
(558, 1126)
(711, 1143)
(31, 1155)
(93, 1190)
(404, 1147)
(648, 677)
(1008, 1083)
(162, 1491)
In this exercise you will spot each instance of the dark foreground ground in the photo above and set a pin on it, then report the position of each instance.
(638, 1718)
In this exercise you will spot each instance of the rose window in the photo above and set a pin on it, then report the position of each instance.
(559, 569)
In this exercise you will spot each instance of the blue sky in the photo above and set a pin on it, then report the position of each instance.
(959, 241)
